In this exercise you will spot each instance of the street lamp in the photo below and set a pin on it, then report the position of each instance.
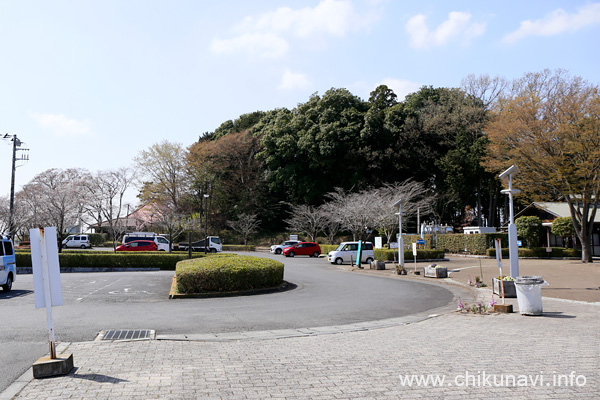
(206, 225)
(513, 248)
(400, 238)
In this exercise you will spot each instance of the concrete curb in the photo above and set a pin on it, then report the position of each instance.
(27, 377)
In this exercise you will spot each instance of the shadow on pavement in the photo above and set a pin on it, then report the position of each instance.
(557, 314)
(15, 293)
(96, 377)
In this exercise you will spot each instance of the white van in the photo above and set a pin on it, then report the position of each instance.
(162, 243)
(346, 253)
(8, 266)
(82, 241)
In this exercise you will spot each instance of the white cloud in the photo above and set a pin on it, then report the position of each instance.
(556, 22)
(401, 87)
(267, 45)
(457, 26)
(268, 34)
(61, 125)
(291, 80)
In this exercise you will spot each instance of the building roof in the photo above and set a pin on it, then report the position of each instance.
(557, 209)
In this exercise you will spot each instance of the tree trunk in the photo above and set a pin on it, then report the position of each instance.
(583, 221)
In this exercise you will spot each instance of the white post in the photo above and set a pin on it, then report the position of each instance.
(47, 295)
(400, 238)
(46, 276)
(513, 248)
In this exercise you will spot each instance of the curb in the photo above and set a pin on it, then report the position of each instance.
(27, 377)
(285, 286)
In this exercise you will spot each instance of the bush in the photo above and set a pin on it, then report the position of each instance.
(236, 247)
(422, 254)
(477, 243)
(162, 260)
(97, 239)
(539, 252)
(227, 273)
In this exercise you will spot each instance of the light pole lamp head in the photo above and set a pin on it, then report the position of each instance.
(513, 170)
(206, 196)
(399, 203)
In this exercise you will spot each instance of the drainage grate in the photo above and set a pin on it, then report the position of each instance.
(126, 334)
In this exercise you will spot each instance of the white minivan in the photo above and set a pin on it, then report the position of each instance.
(8, 266)
(82, 241)
(346, 253)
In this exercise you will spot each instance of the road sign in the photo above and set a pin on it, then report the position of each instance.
(421, 241)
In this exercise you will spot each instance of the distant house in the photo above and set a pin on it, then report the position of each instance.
(145, 218)
(548, 212)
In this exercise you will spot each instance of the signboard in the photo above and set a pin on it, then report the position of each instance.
(421, 241)
(46, 269)
(393, 245)
(414, 247)
(378, 242)
(293, 237)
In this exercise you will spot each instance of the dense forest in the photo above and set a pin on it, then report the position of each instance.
(266, 162)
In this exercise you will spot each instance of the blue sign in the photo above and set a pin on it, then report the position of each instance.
(420, 241)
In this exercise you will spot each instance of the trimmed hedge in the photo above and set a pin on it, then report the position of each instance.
(477, 243)
(422, 254)
(238, 247)
(227, 273)
(162, 260)
(539, 252)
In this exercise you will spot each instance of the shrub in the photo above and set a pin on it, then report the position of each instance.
(97, 239)
(162, 260)
(422, 254)
(477, 243)
(227, 273)
(236, 247)
(540, 252)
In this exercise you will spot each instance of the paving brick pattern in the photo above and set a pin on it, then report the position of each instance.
(351, 365)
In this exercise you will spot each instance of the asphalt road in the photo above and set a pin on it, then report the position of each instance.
(324, 296)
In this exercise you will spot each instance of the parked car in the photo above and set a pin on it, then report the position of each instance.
(214, 245)
(303, 249)
(162, 243)
(8, 265)
(278, 248)
(346, 252)
(138, 245)
(82, 241)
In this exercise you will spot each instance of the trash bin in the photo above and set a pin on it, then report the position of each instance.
(529, 294)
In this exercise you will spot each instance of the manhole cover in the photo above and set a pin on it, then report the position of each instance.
(126, 334)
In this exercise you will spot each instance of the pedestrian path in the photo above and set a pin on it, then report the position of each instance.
(460, 355)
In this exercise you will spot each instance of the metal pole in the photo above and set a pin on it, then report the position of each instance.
(12, 189)
(400, 238)
(513, 248)
(206, 225)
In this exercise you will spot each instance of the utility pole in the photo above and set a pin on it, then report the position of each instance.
(24, 157)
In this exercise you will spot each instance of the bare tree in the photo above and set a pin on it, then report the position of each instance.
(106, 190)
(332, 220)
(308, 219)
(487, 89)
(354, 211)
(414, 196)
(245, 225)
(55, 196)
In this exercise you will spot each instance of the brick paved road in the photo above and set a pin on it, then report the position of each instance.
(353, 365)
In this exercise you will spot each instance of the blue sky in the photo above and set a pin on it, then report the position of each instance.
(89, 84)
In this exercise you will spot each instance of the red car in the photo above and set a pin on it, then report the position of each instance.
(138, 245)
(303, 249)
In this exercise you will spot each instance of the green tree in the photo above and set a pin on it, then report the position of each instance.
(530, 229)
(319, 138)
(549, 126)
(563, 227)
